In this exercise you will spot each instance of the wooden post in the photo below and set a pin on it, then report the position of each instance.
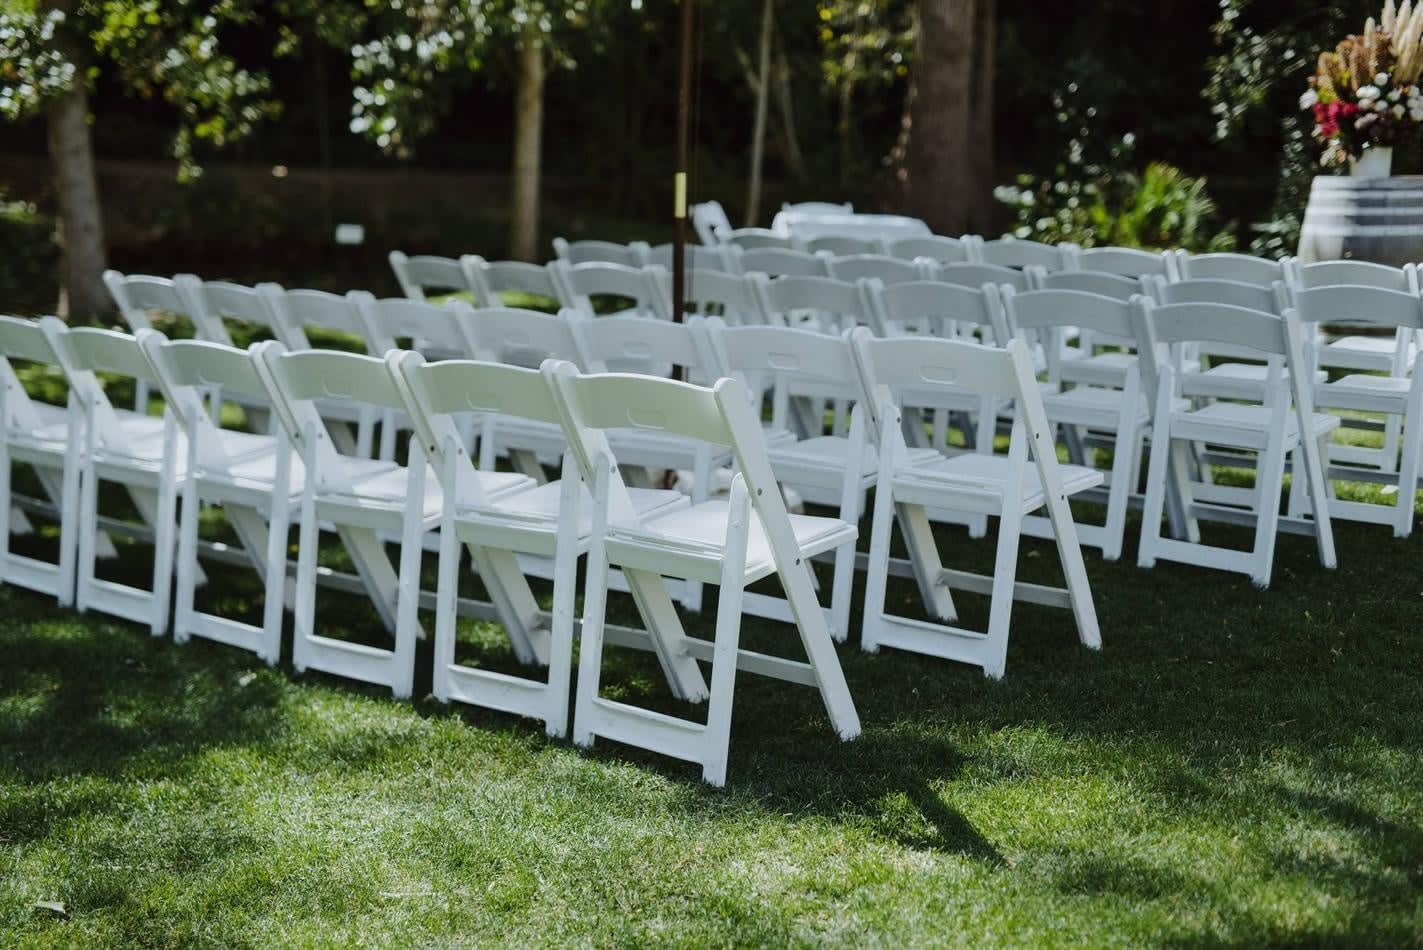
(679, 178)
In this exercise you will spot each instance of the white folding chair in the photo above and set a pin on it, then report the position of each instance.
(711, 257)
(1282, 422)
(1399, 398)
(1242, 268)
(732, 543)
(1218, 368)
(256, 481)
(423, 274)
(733, 296)
(839, 245)
(601, 252)
(1115, 418)
(1124, 261)
(1019, 254)
(552, 522)
(940, 249)
(759, 239)
(975, 274)
(976, 483)
(491, 280)
(315, 319)
(42, 437)
(151, 467)
(709, 220)
(887, 270)
(782, 262)
(139, 298)
(1394, 355)
(581, 285)
(394, 323)
(362, 500)
(821, 467)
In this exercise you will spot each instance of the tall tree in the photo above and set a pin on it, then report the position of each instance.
(54, 51)
(947, 182)
(429, 51)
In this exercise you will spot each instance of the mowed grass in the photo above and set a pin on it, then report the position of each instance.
(1236, 766)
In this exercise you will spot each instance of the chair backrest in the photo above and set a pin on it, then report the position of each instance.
(300, 311)
(1040, 314)
(844, 245)
(579, 284)
(606, 252)
(187, 369)
(389, 321)
(489, 280)
(1017, 254)
(139, 296)
(1125, 261)
(638, 341)
(945, 250)
(426, 272)
(1359, 306)
(755, 239)
(437, 393)
(1091, 282)
(1356, 273)
(836, 303)
(818, 207)
(86, 351)
(888, 270)
(789, 360)
(1267, 297)
(720, 415)
(1274, 338)
(708, 257)
(976, 275)
(710, 222)
(940, 309)
(736, 298)
(1243, 268)
(30, 341)
(783, 262)
(214, 302)
(523, 337)
(295, 381)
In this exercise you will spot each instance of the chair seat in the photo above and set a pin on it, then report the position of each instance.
(389, 488)
(657, 449)
(832, 453)
(1366, 352)
(700, 531)
(1365, 393)
(1093, 406)
(541, 504)
(985, 477)
(1236, 380)
(1103, 369)
(137, 427)
(1228, 422)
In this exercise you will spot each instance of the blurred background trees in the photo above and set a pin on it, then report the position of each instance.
(454, 126)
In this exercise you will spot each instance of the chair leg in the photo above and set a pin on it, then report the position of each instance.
(1157, 477)
(1181, 479)
(1316, 464)
(1408, 479)
(446, 605)
(728, 638)
(875, 576)
(590, 655)
(88, 524)
(1119, 492)
(1005, 574)
(565, 585)
(924, 555)
(69, 522)
(163, 542)
(304, 609)
(188, 518)
(1269, 476)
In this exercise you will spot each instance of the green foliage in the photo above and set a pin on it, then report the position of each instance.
(167, 49)
(29, 259)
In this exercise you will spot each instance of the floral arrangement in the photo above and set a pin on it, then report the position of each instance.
(1365, 94)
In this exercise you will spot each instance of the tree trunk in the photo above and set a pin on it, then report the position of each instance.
(983, 209)
(80, 227)
(795, 160)
(528, 149)
(81, 223)
(940, 158)
(758, 129)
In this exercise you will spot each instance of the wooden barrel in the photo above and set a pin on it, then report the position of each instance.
(1366, 219)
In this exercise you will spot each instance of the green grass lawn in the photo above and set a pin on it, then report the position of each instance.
(1235, 766)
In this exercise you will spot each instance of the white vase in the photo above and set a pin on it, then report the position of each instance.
(1376, 162)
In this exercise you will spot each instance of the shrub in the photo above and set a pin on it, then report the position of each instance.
(29, 259)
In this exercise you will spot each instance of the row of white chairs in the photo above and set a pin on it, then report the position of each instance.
(264, 482)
